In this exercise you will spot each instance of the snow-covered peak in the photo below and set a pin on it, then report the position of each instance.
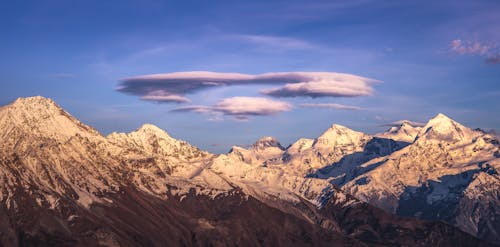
(338, 135)
(300, 145)
(441, 118)
(156, 142)
(264, 150)
(152, 130)
(266, 142)
(145, 133)
(236, 148)
(443, 128)
(35, 100)
(41, 117)
(409, 124)
(403, 130)
(36, 106)
(150, 127)
(337, 129)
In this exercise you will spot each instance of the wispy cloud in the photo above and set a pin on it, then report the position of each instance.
(330, 105)
(468, 47)
(489, 51)
(276, 41)
(240, 108)
(172, 87)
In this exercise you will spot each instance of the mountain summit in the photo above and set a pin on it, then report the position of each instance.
(266, 142)
(43, 117)
(404, 131)
(443, 128)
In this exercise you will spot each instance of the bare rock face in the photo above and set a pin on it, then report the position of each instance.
(64, 184)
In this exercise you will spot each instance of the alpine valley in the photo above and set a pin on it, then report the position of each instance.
(62, 183)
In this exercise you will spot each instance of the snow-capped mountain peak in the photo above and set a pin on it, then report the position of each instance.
(443, 128)
(300, 145)
(41, 116)
(264, 150)
(34, 108)
(441, 118)
(409, 124)
(339, 127)
(338, 135)
(152, 130)
(266, 142)
(145, 133)
(403, 130)
(155, 140)
(442, 121)
(35, 100)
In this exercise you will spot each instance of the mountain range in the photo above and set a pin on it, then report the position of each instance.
(65, 184)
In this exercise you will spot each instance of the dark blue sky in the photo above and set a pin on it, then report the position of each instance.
(429, 56)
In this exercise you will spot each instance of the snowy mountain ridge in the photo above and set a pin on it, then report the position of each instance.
(50, 157)
(452, 165)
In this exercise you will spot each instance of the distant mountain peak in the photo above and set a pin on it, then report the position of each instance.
(339, 135)
(410, 123)
(146, 133)
(42, 116)
(34, 99)
(36, 103)
(300, 145)
(338, 130)
(443, 128)
(403, 130)
(152, 129)
(440, 117)
(441, 120)
(404, 121)
(267, 141)
(339, 127)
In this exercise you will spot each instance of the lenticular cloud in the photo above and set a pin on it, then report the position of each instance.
(172, 87)
(241, 107)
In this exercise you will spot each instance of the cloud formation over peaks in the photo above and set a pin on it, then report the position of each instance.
(240, 107)
(172, 87)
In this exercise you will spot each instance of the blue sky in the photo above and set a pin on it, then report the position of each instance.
(429, 56)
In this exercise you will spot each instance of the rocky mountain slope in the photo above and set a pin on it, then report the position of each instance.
(64, 184)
